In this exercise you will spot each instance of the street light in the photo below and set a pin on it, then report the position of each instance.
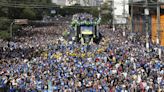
(158, 28)
(158, 22)
(99, 10)
(112, 1)
(147, 34)
(131, 18)
(11, 27)
(17, 22)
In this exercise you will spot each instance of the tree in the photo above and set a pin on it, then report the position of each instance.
(93, 10)
(4, 27)
(28, 13)
(106, 13)
(4, 23)
(3, 11)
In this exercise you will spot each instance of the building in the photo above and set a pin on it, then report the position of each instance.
(81, 2)
(139, 19)
(121, 11)
(99, 2)
(59, 2)
(71, 2)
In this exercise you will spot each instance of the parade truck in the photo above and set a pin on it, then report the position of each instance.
(84, 29)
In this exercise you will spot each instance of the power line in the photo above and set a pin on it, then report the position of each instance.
(20, 5)
(34, 5)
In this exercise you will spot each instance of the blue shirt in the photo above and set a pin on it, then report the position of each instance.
(12, 90)
(118, 89)
(158, 65)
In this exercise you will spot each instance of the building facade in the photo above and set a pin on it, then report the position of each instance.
(121, 11)
(139, 19)
(59, 2)
(81, 2)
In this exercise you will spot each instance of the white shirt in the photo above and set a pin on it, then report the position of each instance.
(124, 90)
(138, 78)
(144, 84)
(117, 65)
(125, 74)
(134, 66)
(162, 72)
(98, 75)
(159, 79)
(114, 71)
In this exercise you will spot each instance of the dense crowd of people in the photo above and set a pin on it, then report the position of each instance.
(40, 61)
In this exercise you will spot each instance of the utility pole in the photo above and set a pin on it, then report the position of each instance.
(11, 27)
(113, 15)
(124, 25)
(147, 29)
(131, 16)
(158, 28)
(158, 22)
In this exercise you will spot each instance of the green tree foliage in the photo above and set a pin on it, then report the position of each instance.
(106, 12)
(70, 10)
(28, 13)
(14, 13)
(37, 13)
(4, 35)
(25, 12)
(31, 1)
(3, 11)
(93, 10)
(4, 27)
(45, 1)
(4, 1)
(4, 23)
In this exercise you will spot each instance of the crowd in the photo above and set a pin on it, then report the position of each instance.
(41, 62)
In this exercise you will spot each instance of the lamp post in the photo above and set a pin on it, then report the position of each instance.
(97, 32)
(147, 34)
(131, 18)
(158, 28)
(17, 22)
(158, 22)
(113, 22)
(124, 18)
(99, 8)
(11, 27)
